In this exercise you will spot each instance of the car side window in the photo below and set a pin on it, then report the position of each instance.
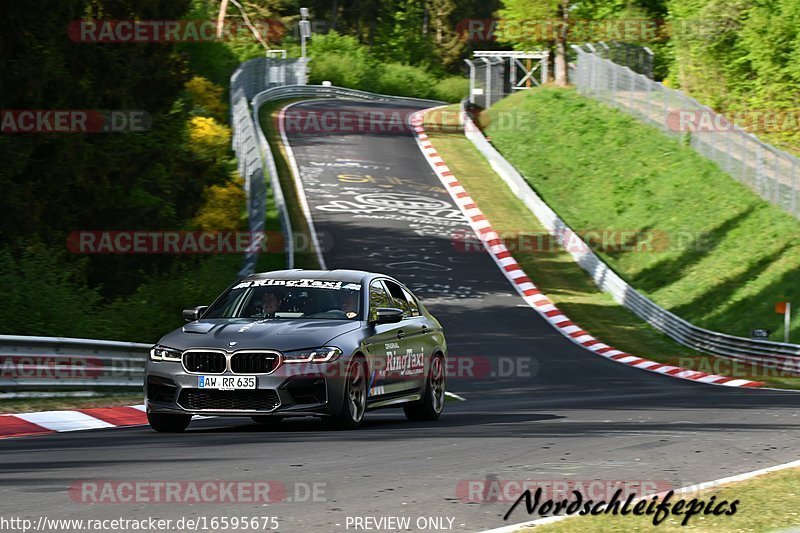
(412, 302)
(399, 298)
(378, 298)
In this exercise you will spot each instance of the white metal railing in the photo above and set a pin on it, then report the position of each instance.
(770, 172)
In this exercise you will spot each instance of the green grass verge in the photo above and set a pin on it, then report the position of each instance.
(725, 256)
(268, 116)
(29, 405)
(561, 279)
(763, 506)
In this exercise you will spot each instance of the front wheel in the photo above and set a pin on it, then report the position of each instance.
(432, 402)
(166, 423)
(354, 403)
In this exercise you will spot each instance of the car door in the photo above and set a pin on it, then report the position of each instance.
(408, 372)
(382, 345)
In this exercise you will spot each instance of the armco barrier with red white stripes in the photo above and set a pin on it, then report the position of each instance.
(528, 290)
(778, 355)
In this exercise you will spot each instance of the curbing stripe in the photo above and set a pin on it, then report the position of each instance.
(45, 422)
(12, 426)
(118, 416)
(528, 290)
(64, 420)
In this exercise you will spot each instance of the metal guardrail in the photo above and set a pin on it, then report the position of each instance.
(250, 168)
(782, 356)
(329, 91)
(251, 78)
(41, 363)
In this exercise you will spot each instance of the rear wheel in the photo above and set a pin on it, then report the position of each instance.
(432, 402)
(354, 402)
(167, 423)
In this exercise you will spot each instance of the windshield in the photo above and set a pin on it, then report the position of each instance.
(279, 298)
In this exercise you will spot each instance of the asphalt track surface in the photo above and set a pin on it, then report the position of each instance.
(563, 413)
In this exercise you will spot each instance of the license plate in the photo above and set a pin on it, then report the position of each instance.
(226, 382)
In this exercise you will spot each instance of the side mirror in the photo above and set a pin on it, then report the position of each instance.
(387, 315)
(190, 315)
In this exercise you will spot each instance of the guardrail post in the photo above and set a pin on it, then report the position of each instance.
(488, 81)
(471, 66)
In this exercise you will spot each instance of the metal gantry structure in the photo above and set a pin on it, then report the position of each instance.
(494, 75)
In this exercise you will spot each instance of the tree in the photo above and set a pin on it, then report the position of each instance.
(57, 183)
(527, 24)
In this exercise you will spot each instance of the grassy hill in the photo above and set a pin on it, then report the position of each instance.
(721, 256)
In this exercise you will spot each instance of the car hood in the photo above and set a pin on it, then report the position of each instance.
(247, 333)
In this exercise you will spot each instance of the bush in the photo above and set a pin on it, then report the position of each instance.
(345, 62)
(340, 59)
(340, 70)
(207, 98)
(47, 294)
(452, 89)
(404, 80)
(155, 308)
(209, 139)
(220, 204)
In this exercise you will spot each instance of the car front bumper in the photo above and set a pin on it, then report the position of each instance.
(291, 390)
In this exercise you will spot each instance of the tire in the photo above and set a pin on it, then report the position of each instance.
(354, 399)
(268, 421)
(432, 403)
(166, 423)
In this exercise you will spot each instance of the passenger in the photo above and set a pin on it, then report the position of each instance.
(349, 303)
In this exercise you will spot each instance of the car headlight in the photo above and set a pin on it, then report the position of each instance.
(160, 353)
(312, 355)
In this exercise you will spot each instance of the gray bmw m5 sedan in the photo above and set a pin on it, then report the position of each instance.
(332, 344)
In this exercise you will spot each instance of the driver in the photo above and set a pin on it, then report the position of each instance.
(270, 303)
